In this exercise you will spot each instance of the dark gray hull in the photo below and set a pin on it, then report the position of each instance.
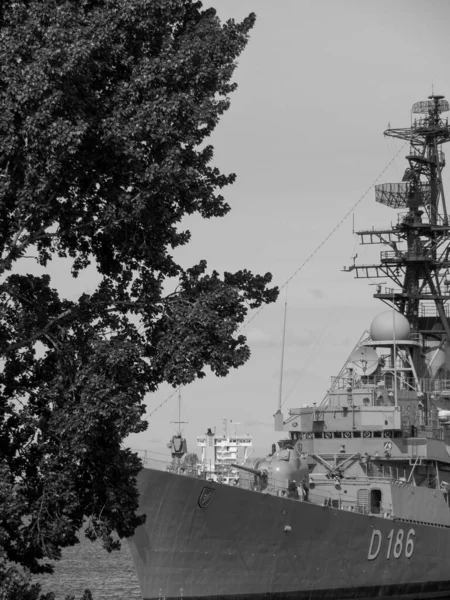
(237, 544)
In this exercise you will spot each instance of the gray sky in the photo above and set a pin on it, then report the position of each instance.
(318, 84)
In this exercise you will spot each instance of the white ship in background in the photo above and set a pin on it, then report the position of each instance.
(220, 451)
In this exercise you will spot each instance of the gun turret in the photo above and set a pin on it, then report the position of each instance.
(257, 472)
(273, 472)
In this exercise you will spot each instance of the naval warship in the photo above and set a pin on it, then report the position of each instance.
(353, 501)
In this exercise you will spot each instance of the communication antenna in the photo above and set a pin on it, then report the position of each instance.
(280, 391)
(179, 422)
(395, 349)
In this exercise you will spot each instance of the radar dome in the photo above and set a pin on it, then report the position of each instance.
(390, 325)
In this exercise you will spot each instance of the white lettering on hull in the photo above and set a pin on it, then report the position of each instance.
(395, 547)
(374, 551)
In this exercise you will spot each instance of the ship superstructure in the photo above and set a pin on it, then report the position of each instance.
(353, 502)
(383, 429)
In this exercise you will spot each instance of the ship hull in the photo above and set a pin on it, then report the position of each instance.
(207, 540)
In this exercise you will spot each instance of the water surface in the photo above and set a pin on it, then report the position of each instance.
(109, 576)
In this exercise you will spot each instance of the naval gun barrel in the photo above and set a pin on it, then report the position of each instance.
(258, 472)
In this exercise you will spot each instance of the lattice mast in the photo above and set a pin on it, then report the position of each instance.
(418, 260)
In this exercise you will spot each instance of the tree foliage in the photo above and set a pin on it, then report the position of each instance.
(106, 106)
(190, 459)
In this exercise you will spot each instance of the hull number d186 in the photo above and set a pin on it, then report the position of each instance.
(397, 544)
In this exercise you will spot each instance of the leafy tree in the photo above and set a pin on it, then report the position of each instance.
(15, 585)
(106, 106)
(190, 459)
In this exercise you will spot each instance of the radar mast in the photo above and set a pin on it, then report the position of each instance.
(417, 261)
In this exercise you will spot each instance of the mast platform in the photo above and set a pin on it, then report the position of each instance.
(381, 236)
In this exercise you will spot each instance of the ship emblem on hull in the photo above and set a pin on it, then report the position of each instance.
(205, 497)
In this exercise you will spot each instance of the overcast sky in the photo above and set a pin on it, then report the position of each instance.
(318, 84)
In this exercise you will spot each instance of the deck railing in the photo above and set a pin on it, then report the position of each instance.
(405, 383)
(322, 497)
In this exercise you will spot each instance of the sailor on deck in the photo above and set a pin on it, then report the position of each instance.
(292, 490)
